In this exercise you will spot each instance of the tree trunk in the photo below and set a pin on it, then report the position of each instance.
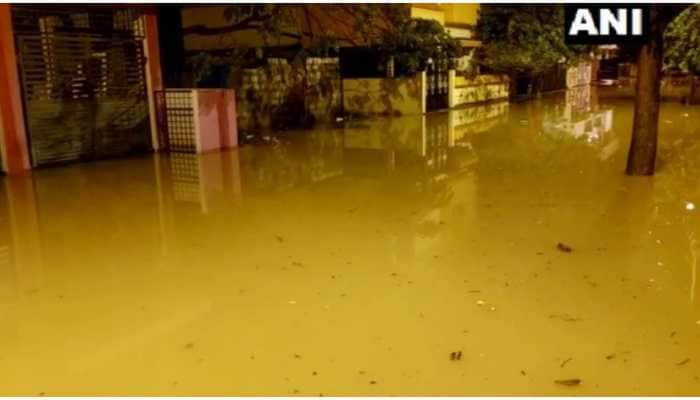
(642, 154)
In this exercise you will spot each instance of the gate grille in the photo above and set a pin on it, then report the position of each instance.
(84, 92)
(176, 120)
(438, 86)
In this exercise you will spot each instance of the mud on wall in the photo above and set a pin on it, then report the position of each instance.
(281, 95)
(385, 96)
(479, 89)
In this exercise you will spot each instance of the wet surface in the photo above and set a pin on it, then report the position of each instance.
(490, 250)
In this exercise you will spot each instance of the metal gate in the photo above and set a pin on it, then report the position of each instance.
(84, 95)
(438, 86)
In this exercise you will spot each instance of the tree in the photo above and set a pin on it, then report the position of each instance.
(682, 39)
(321, 29)
(641, 158)
(520, 39)
(411, 42)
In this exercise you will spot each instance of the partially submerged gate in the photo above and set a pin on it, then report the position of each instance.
(83, 82)
(437, 76)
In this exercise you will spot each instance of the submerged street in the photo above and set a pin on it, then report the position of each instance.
(498, 249)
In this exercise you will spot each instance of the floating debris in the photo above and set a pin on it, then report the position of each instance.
(522, 372)
(474, 291)
(565, 362)
(279, 238)
(297, 356)
(568, 382)
(314, 373)
(480, 302)
(610, 356)
(685, 361)
(564, 248)
(672, 334)
(456, 355)
(189, 345)
(372, 382)
(565, 317)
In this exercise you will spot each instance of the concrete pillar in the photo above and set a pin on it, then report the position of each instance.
(13, 134)
(451, 93)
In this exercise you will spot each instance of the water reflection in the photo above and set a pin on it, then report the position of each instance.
(404, 239)
(581, 117)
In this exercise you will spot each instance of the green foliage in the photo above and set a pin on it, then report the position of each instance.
(412, 41)
(520, 38)
(682, 41)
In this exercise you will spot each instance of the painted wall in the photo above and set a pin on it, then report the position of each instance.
(14, 138)
(426, 11)
(385, 96)
(481, 88)
(211, 16)
(217, 119)
(461, 14)
(316, 19)
(580, 74)
(464, 15)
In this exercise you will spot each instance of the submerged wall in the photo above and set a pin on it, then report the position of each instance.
(580, 74)
(481, 88)
(385, 96)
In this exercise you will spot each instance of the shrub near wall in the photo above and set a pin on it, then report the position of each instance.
(280, 95)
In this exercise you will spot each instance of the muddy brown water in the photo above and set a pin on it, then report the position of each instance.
(359, 260)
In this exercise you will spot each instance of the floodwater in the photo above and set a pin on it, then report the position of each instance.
(362, 260)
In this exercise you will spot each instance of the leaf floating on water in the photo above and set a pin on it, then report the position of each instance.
(686, 361)
(562, 247)
(568, 382)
